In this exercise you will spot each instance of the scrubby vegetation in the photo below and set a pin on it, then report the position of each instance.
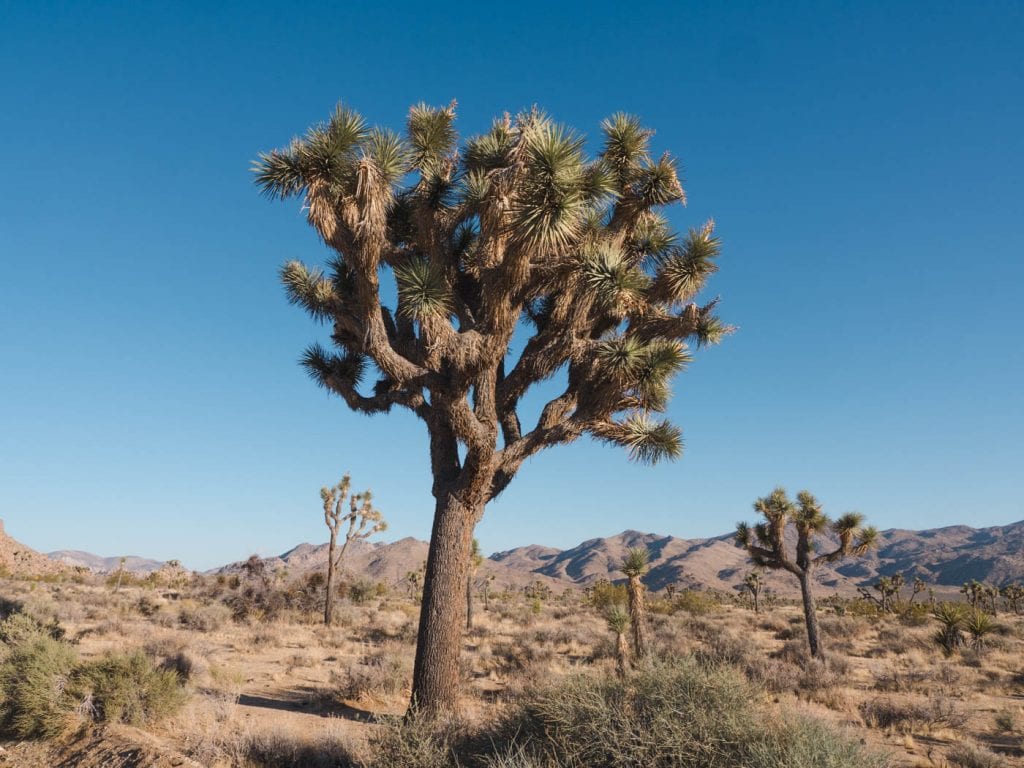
(238, 670)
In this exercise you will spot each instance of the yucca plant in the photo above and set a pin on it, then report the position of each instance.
(979, 625)
(363, 519)
(952, 618)
(634, 566)
(517, 224)
(767, 547)
(618, 621)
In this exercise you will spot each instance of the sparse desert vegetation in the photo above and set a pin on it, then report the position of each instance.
(240, 670)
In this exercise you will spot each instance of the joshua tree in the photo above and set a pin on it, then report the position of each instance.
(363, 522)
(974, 591)
(1013, 594)
(516, 225)
(476, 559)
(413, 580)
(120, 573)
(634, 566)
(889, 588)
(766, 544)
(753, 583)
(618, 622)
(918, 587)
(485, 589)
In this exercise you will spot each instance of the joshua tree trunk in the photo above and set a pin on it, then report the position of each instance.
(637, 617)
(757, 600)
(621, 654)
(329, 597)
(469, 601)
(436, 674)
(810, 616)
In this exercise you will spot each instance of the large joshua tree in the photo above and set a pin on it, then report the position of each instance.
(516, 229)
(767, 546)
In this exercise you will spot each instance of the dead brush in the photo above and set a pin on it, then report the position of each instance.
(911, 716)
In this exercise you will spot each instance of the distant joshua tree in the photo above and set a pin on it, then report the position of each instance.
(476, 559)
(918, 587)
(120, 573)
(618, 622)
(766, 544)
(634, 566)
(1013, 594)
(363, 521)
(974, 591)
(753, 583)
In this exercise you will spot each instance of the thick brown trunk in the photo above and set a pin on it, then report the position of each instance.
(436, 675)
(329, 597)
(638, 619)
(469, 601)
(810, 617)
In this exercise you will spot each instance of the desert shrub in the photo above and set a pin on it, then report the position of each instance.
(386, 672)
(1006, 721)
(916, 615)
(912, 716)
(18, 623)
(129, 688)
(602, 594)
(34, 702)
(702, 717)
(280, 748)
(696, 602)
(971, 756)
(203, 618)
(414, 742)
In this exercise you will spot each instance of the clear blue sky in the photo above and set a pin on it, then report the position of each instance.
(863, 161)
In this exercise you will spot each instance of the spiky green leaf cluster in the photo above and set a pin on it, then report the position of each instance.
(423, 290)
(647, 441)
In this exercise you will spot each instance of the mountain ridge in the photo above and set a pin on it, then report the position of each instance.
(945, 557)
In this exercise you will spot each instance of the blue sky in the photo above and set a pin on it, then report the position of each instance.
(863, 162)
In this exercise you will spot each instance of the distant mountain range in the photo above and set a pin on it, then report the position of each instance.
(78, 559)
(944, 557)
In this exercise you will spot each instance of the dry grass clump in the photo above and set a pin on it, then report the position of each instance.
(966, 755)
(912, 716)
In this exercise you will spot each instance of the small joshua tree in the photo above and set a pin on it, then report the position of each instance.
(766, 544)
(363, 521)
(634, 566)
(618, 622)
(753, 583)
(476, 559)
(888, 587)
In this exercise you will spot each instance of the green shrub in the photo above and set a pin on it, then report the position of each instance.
(34, 677)
(129, 688)
(695, 602)
(669, 714)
